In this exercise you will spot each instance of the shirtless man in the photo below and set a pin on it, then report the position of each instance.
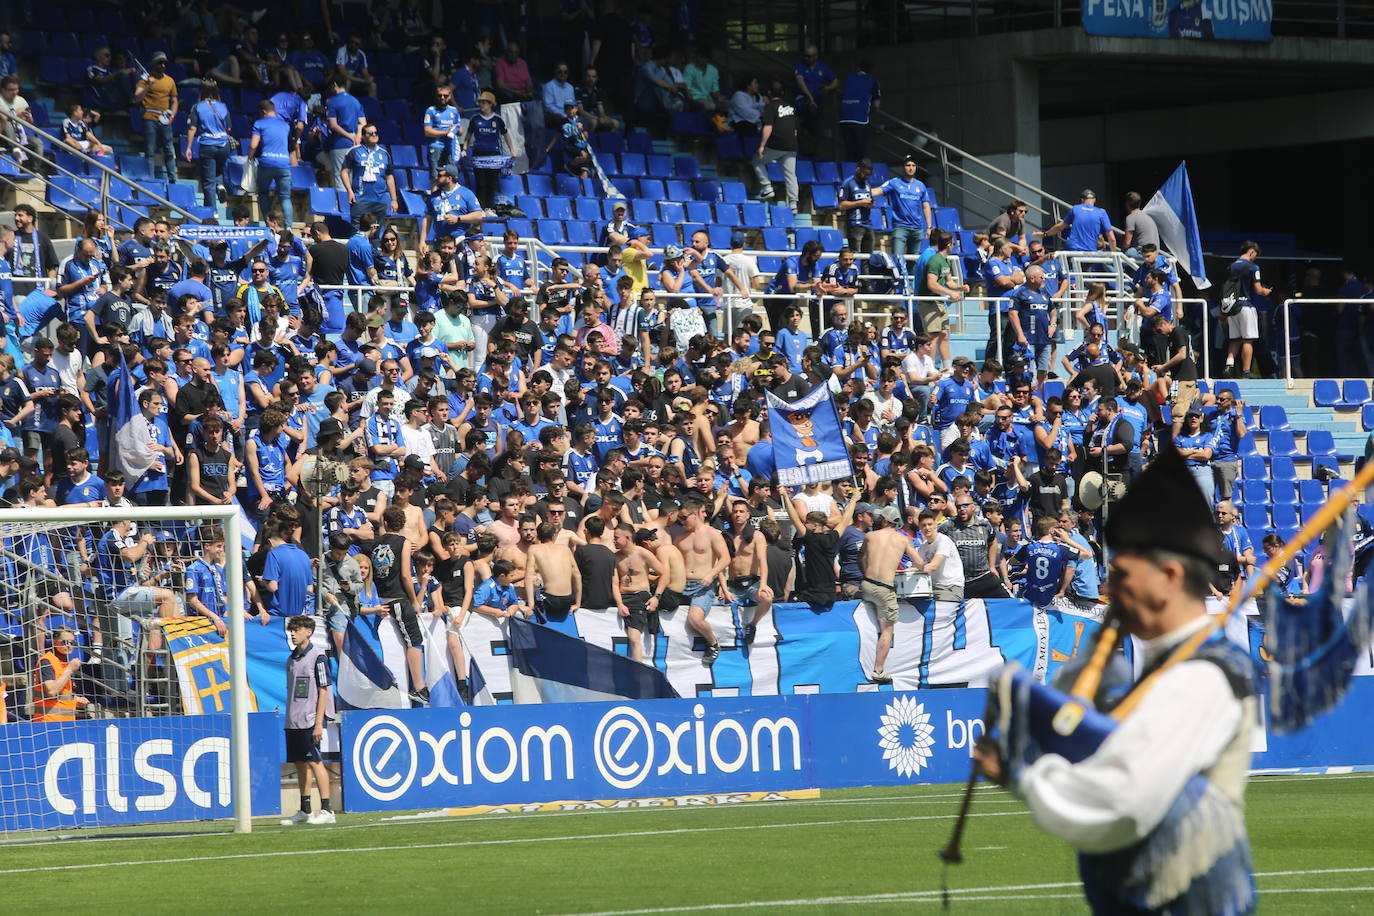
(406, 484)
(743, 429)
(506, 526)
(639, 605)
(674, 579)
(551, 566)
(518, 554)
(747, 574)
(609, 513)
(704, 556)
(883, 548)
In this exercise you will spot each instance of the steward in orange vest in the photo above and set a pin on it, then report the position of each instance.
(53, 698)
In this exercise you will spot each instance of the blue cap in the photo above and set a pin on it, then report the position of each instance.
(164, 535)
(638, 232)
(736, 239)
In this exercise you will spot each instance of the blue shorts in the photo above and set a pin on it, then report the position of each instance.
(1041, 356)
(700, 594)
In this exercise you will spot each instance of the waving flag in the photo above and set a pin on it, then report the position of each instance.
(129, 432)
(549, 666)
(1172, 209)
(439, 677)
(808, 445)
(365, 682)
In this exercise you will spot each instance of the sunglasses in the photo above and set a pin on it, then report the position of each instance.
(66, 642)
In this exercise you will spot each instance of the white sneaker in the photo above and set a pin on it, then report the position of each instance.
(300, 817)
(322, 817)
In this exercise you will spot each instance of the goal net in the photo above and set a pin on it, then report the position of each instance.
(122, 679)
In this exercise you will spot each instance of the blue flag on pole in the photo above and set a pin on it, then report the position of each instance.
(1172, 209)
(808, 444)
(129, 431)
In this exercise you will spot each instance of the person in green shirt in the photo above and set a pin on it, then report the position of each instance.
(454, 329)
(935, 278)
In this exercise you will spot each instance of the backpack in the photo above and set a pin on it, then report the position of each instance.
(1233, 295)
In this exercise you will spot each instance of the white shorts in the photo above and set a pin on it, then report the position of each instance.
(136, 601)
(948, 435)
(1244, 325)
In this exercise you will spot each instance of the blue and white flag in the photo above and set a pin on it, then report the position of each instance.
(548, 666)
(439, 676)
(1172, 209)
(365, 682)
(129, 432)
(808, 444)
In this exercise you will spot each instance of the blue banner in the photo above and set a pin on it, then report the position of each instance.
(196, 232)
(427, 758)
(1232, 20)
(808, 444)
(132, 771)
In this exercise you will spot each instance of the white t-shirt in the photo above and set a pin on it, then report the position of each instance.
(917, 365)
(746, 267)
(418, 442)
(69, 368)
(951, 571)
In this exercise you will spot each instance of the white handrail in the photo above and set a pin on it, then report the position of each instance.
(1287, 327)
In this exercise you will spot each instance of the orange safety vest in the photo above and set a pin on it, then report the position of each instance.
(61, 708)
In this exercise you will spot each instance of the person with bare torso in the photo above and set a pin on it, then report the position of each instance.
(519, 553)
(747, 573)
(552, 568)
(704, 555)
(609, 513)
(406, 484)
(674, 578)
(743, 429)
(506, 527)
(883, 548)
(639, 604)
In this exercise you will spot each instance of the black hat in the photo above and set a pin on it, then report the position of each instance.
(1165, 510)
(330, 426)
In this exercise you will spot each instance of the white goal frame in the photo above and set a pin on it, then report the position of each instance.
(229, 518)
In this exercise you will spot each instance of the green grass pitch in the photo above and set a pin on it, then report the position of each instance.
(848, 851)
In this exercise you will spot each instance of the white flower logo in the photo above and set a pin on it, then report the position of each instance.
(906, 736)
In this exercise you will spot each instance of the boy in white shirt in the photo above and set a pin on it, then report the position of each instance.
(918, 368)
(941, 559)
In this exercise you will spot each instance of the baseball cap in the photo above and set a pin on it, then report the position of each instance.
(487, 96)
(414, 463)
(619, 205)
(375, 321)
(451, 171)
(888, 512)
(429, 352)
(910, 157)
(1194, 412)
(163, 534)
(329, 426)
(367, 367)
(1087, 194)
(736, 239)
(157, 58)
(861, 508)
(671, 251)
(638, 232)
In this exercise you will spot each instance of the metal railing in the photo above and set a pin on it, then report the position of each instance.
(1288, 327)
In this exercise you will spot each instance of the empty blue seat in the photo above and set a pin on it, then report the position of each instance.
(631, 164)
(1054, 388)
(1253, 468)
(781, 215)
(652, 188)
(946, 218)
(806, 171)
(1255, 515)
(804, 234)
(640, 141)
(643, 211)
(608, 142)
(1311, 491)
(405, 157)
(729, 148)
(824, 197)
(588, 208)
(567, 186)
(670, 211)
(1367, 417)
(1283, 492)
(1282, 469)
(135, 167)
(753, 214)
(664, 234)
(579, 232)
(324, 202)
(1273, 417)
(1309, 510)
(699, 211)
(775, 239)
(677, 189)
(538, 185)
(1321, 442)
(511, 185)
(1282, 443)
(707, 189)
(558, 208)
(183, 195)
(1354, 392)
(1253, 492)
(522, 227)
(414, 202)
(531, 204)
(550, 231)
(686, 166)
(1326, 393)
(831, 239)
(720, 235)
(728, 214)
(827, 172)
(733, 192)
(658, 165)
(1285, 516)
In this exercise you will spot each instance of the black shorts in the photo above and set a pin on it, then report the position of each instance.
(640, 619)
(559, 605)
(670, 601)
(301, 746)
(404, 612)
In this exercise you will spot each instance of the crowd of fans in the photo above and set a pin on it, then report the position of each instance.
(522, 443)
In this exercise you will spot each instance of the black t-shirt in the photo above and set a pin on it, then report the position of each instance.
(794, 388)
(596, 563)
(386, 553)
(818, 566)
(329, 262)
(527, 335)
(1186, 369)
(1048, 492)
(779, 565)
(783, 116)
(64, 439)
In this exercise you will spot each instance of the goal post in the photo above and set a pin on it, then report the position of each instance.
(38, 559)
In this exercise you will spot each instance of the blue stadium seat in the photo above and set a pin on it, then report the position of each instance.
(1354, 392)
(804, 234)
(1273, 417)
(664, 234)
(1283, 493)
(782, 215)
(523, 227)
(511, 185)
(699, 211)
(1311, 491)
(686, 166)
(658, 165)
(677, 189)
(754, 215)
(1254, 492)
(707, 189)
(550, 231)
(405, 157)
(720, 235)
(1282, 443)
(1282, 469)
(728, 214)
(631, 164)
(643, 211)
(1320, 442)
(1310, 510)
(1255, 515)
(831, 239)
(640, 141)
(1285, 516)
(729, 148)
(567, 186)
(1367, 417)
(824, 197)
(183, 195)
(652, 188)
(670, 211)
(324, 202)
(1054, 388)
(775, 239)
(579, 232)
(769, 265)
(806, 171)
(588, 208)
(1332, 462)
(538, 185)
(415, 203)
(608, 142)
(1254, 468)
(733, 192)
(827, 172)
(63, 44)
(302, 177)
(134, 167)
(1326, 393)
(532, 204)
(947, 218)
(558, 208)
